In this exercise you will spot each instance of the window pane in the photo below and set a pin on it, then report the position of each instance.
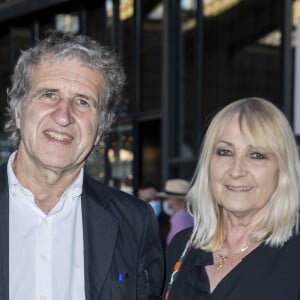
(150, 152)
(151, 54)
(120, 157)
(67, 23)
(11, 45)
(189, 105)
(296, 44)
(4, 80)
(239, 59)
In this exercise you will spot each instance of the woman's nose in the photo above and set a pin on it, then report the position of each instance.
(238, 167)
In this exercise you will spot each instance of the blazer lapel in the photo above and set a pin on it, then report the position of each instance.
(4, 234)
(99, 235)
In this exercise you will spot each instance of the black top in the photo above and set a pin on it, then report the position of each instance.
(267, 273)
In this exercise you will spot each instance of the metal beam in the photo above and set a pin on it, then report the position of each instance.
(12, 10)
(287, 60)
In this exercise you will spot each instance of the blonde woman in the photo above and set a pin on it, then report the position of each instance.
(245, 200)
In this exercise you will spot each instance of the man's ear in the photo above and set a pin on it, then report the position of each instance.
(98, 137)
(18, 118)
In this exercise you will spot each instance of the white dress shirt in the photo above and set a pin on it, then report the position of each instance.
(45, 250)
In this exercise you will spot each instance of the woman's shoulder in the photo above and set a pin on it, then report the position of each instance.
(178, 244)
(175, 250)
(182, 237)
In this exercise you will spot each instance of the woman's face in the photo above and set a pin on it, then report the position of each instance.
(243, 175)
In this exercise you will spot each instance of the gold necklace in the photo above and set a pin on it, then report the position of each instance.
(224, 258)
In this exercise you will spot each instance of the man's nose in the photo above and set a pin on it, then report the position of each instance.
(63, 113)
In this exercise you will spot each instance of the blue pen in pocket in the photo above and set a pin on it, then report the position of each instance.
(120, 277)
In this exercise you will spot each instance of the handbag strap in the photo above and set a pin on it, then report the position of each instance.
(177, 267)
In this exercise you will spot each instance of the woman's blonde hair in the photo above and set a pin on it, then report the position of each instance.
(271, 130)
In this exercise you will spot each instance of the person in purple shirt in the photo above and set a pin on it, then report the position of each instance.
(174, 206)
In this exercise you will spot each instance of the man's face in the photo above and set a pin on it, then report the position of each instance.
(59, 122)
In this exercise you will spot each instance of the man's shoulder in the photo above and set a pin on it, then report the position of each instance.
(131, 214)
(3, 167)
(110, 197)
(3, 176)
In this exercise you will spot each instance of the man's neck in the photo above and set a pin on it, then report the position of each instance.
(47, 185)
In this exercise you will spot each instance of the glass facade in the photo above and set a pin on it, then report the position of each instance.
(184, 59)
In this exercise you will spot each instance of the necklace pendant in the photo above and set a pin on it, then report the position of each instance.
(220, 264)
(224, 258)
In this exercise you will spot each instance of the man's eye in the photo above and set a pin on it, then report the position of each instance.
(257, 155)
(49, 95)
(81, 102)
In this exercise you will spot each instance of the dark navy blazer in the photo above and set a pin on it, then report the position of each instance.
(120, 237)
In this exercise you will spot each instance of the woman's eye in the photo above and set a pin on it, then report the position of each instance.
(257, 155)
(223, 152)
